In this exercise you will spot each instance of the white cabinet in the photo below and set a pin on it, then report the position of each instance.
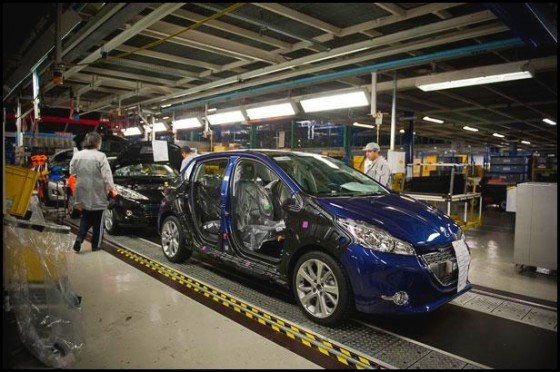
(536, 225)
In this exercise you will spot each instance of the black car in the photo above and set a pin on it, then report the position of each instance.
(56, 189)
(338, 238)
(140, 181)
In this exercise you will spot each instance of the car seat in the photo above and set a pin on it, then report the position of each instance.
(254, 210)
(209, 197)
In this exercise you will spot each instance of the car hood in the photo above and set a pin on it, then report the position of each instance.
(142, 152)
(403, 217)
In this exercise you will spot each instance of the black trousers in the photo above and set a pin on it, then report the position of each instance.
(91, 219)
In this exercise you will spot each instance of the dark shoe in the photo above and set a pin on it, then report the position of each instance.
(77, 246)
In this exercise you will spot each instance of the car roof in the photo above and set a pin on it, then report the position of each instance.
(257, 152)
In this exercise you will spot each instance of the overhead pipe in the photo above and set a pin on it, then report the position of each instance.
(406, 62)
(58, 119)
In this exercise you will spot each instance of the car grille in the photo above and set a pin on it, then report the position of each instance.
(151, 210)
(443, 264)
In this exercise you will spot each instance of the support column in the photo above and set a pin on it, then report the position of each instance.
(408, 138)
(347, 145)
(292, 135)
(394, 113)
(253, 137)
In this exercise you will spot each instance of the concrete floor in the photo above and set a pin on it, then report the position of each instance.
(492, 263)
(131, 320)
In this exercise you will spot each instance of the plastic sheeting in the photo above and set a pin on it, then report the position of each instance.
(46, 309)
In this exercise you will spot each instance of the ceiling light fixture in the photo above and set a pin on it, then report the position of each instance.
(160, 127)
(498, 135)
(526, 142)
(466, 127)
(476, 76)
(226, 117)
(548, 121)
(401, 131)
(187, 123)
(335, 101)
(271, 111)
(356, 124)
(427, 118)
(133, 131)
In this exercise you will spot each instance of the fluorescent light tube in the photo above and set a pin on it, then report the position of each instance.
(356, 124)
(187, 123)
(271, 111)
(336, 101)
(160, 127)
(427, 118)
(466, 127)
(475, 76)
(526, 142)
(498, 135)
(548, 121)
(226, 117)
(133, 131)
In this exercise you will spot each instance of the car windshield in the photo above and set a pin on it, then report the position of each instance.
(324, 176)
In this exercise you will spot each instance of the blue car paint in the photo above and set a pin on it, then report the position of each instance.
(403, 217)
(374, 274)
(371, 273)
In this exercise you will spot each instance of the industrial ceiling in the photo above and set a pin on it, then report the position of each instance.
(182, 58)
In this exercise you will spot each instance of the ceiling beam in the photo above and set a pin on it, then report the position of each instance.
(287, 12)
(392, 8)
(144, 23)
(223, 26)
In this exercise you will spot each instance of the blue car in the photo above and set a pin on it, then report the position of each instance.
(337, 238)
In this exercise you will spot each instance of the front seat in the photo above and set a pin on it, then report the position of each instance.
(254, 209)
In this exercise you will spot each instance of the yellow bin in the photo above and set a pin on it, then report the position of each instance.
(20, 183)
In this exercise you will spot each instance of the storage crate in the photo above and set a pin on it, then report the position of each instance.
(20, 183)
(510, 160)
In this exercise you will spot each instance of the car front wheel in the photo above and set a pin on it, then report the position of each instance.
(322, 289)
(110, 221)
(173, 240)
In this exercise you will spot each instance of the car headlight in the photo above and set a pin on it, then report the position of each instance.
(375, 238)
(129, 194)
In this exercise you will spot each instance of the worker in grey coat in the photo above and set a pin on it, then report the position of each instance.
(377, 167)
(94, 183)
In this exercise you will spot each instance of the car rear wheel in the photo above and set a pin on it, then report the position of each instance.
(173, 240)
(110, 221)
(322, 288)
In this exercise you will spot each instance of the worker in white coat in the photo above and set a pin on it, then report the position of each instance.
(377, 167)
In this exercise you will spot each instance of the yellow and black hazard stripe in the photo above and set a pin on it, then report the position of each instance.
(337, 355)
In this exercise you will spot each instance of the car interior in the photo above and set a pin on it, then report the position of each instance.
(257, 206)
(206, 194)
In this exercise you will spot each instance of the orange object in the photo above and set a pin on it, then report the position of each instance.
(38, 160)
(72, 184)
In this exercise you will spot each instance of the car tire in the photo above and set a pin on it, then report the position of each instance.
(173, 240)
(72, 212)
(335, 305)
(110, 221)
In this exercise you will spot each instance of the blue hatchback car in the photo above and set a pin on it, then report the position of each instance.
(337, 238)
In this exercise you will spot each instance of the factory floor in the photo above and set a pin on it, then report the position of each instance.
(130, 320)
